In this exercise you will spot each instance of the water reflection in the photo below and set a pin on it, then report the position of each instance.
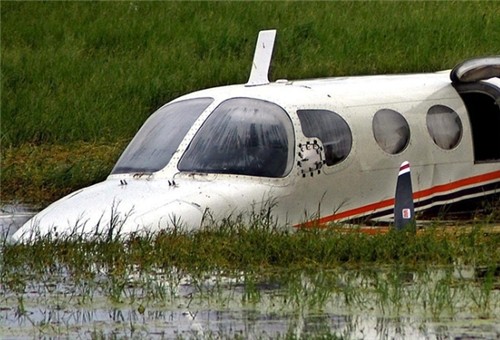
(438, 303)
(12, 217)
(208, 323)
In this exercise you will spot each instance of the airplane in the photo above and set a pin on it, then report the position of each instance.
(323, 150)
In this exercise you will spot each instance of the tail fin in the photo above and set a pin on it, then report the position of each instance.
(404, 211)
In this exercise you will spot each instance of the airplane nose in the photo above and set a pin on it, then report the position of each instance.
(108, 209)
(176, 214)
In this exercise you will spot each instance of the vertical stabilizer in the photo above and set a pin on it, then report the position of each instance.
(404, 211)
(262, 58)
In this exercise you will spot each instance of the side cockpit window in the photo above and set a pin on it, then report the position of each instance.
(331, 129)
(243, 136)
(158, 139)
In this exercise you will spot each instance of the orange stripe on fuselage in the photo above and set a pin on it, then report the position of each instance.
(416, 195)
(458, 184)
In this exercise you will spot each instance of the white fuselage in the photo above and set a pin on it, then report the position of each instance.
(309, 186)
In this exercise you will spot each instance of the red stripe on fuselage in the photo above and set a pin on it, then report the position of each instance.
(458, 184)
(416, 195)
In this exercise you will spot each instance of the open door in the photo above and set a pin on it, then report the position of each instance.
(473, 70)
(482, 100)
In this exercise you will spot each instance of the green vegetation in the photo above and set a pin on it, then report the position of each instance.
(430, 276)
(79, 78)
(76, 74)
(38, 174)
(258, 246)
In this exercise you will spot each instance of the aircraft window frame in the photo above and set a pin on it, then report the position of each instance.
(331, 129)
(243, 136)
(444, 126)
(391, 131)
(158, 139)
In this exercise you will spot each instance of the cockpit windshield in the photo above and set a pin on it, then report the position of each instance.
(158, 139)
(243, 136)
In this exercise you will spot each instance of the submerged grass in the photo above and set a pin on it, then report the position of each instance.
(429, 275)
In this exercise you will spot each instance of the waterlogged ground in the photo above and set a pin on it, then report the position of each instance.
(442, 303)
(12, 217)
(383, 301)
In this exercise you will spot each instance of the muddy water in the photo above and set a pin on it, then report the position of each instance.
(440, 303)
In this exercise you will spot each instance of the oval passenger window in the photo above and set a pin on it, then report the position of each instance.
(391, 131)
(444, 126)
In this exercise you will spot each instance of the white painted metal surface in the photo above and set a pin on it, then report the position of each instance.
(262, 58)
(305, 187)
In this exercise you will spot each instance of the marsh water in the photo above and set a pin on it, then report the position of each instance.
(13, 216)
(455, 301)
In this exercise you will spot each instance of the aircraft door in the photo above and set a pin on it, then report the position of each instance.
(476, 81)
(482, 101)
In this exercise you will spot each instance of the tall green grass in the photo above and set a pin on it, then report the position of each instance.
(93, 71)
(38, 174)
(233, 245)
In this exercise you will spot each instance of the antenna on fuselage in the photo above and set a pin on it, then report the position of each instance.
(262, 58)
(404, 210)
